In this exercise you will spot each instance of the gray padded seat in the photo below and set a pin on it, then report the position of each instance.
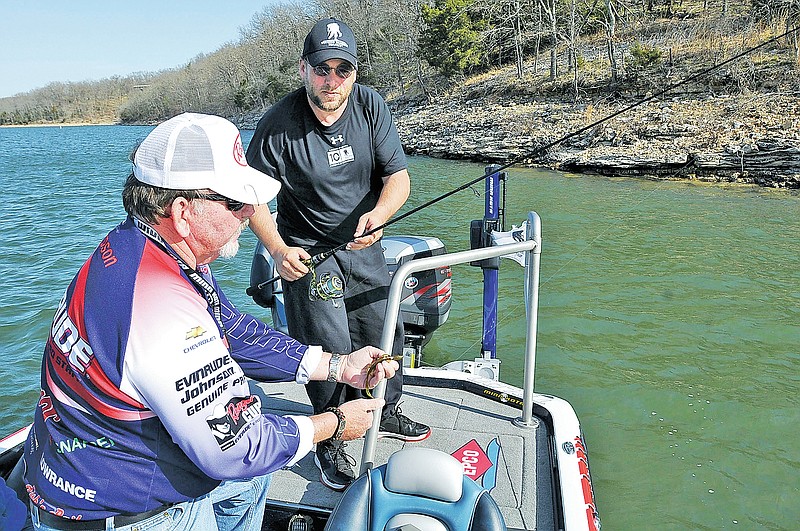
(419, 489)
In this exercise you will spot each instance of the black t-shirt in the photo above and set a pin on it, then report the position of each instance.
(330, 175)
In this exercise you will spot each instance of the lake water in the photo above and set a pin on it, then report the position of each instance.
(669, 314)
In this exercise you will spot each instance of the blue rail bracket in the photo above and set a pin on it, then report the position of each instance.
(480, 235)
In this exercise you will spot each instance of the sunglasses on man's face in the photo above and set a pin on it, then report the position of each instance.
(231, 204)
(344, 70)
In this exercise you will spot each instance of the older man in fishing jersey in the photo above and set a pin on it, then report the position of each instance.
(333, 146)
(146, 419)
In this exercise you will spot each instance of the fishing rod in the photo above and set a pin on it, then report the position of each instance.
(319, 258)
(309, 263)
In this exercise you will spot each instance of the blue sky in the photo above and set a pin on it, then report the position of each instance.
(78, 40)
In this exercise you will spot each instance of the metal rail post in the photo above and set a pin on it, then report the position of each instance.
(422, 264)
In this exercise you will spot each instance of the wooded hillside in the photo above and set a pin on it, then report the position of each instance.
(416, 51)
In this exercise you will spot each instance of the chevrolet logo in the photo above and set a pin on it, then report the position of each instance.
(197, 331)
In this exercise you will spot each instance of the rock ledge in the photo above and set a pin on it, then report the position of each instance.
(749, 138)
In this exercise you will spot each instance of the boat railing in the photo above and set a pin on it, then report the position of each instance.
(531, 246)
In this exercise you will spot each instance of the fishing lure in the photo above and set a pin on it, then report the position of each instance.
(374, 365)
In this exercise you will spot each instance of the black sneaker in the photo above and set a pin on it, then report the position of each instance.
(397, 426)
(335, 465)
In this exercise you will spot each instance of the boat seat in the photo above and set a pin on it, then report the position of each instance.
(418, 489)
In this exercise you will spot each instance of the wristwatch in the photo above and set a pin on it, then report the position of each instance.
(333, 371)
(337, 435)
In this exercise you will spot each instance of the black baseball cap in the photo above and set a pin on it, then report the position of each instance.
(330, 39)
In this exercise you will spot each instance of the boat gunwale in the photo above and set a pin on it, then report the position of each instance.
(569, 461)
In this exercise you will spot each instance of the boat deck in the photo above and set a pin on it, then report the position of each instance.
(457, 417)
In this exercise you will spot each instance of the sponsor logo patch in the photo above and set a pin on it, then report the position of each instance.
(197, 331)
(339, 156)
(231, 422)
(238, 151)
(477, 462)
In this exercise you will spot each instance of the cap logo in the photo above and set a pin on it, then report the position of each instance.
(334, 36)
(238, 151)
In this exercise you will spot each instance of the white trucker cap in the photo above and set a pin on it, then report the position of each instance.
(197, 151)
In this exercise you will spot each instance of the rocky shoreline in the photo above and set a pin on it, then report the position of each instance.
(750, 138)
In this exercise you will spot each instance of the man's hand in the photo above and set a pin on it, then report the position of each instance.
(367, 222)
(358, 416)
(360, 365)
(289, 262)
(396, 188)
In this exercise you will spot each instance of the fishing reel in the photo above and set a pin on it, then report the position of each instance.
(326, 287)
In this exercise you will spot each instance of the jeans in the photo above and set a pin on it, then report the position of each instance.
(235, 505)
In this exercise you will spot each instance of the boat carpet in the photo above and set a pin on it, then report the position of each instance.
(523, 483)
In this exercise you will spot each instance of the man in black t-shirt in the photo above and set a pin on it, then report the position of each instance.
(335, 149)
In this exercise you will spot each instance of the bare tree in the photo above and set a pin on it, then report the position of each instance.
(509, 23)
(549, 8)
(573, 52)
(611, 29)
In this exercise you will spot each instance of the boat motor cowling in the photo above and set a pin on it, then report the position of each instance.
(427, 295)
(267, 294)
(261, 270)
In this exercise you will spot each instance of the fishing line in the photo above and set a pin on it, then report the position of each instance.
(512, 313)
(316, 259)
(592, 125)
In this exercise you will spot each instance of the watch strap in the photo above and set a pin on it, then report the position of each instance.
(333, 370)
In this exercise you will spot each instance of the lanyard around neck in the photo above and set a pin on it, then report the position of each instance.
(205, 287)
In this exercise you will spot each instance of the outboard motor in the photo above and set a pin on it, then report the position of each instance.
(426, 296)
(267, 294)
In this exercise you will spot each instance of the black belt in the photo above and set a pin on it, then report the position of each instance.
(121, 520)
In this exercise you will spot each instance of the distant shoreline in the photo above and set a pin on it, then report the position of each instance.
(726, 138)
(71, 124)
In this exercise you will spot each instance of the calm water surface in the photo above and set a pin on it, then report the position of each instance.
(669, 315)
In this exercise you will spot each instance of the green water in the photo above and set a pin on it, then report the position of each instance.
(669, 315)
